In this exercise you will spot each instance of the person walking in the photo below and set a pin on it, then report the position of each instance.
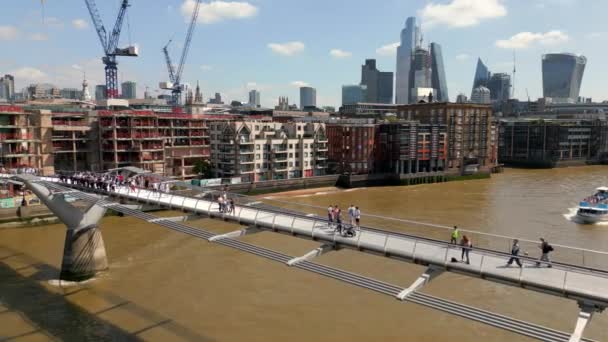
(467, 245)
(455, 235)
(514, 254)
(330, 215)
(357, 217)
(220, 202)
(338, 219)
(231, 206)
(351, 215)
(545, 248)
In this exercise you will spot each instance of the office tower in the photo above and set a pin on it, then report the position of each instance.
(421, 75)
(71, 93)
(308, 97)
(352, 94)
(379, 84)
(461, 98)
(481, 95)
(562, 76)
(100, 92)
(254, 98)
(482, 75)
(409, 40)
(500, 87)
(7, 87)
(129, 90)
(438, 81)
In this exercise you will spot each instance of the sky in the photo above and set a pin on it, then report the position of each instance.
(275, 46)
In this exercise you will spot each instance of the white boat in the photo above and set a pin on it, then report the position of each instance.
(594, 208)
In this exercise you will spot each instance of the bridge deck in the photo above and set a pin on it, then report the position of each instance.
(570, 281)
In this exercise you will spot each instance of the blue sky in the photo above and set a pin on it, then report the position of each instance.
(231, 51)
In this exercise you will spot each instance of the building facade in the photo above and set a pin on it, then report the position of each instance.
(539, 142)
(408, 147)
(352, 94)
(351, 146)
(438, 78)
(500, 87)
(563, 76)
(308, 97)
(254, 98)
(482, 75)
(481, 95)
(379, 84)
(469, 131)
(253, 151)
(100, 92)
(410, 36)
(7, 88)
(129, 90)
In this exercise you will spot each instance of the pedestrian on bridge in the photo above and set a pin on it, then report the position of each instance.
(455, 235)
(467, 245)
(545, 248)
(358, 217)
(338, 218)
(330, 215)
(514, 254)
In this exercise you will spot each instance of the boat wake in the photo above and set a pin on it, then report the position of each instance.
(571, 216)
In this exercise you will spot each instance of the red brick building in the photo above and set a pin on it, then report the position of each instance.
(351, 146)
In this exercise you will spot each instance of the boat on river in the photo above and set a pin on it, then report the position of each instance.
(594, 208)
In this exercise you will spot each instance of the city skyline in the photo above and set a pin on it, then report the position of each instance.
(278, 63)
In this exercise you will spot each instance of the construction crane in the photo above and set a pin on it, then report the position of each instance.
(109, 43)
(175, 77)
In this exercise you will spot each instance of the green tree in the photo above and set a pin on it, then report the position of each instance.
(203, 168)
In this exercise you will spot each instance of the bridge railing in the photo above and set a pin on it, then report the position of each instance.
(566, 255)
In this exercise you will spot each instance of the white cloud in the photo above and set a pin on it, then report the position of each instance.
(30, 75)
(287, 49)
(206, 67)
(80, 24)
(53, 22)
(462, 13)
(299, 84)
(388, 49)
(8, 33)
(524, 40)
(463, 57)
(251, 85)
(39, 37)
(337, 53)
(217, 11)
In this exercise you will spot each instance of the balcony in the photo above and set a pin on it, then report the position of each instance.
(246, 149)
(244, 140)
(246, 160)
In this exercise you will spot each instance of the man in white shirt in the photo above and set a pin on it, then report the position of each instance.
(330, 215)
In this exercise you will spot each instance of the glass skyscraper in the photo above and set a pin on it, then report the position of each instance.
(439, 82)
(352, 94)
(482, 75)
(409, 40)
(308, 97)
(129, 90)
(379, 84)
(500, 87)
(563, 75)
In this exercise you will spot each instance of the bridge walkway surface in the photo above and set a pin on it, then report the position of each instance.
(587, 286)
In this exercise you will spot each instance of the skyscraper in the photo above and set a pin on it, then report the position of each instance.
(129, 90)
(482, 75)
(409, 40)
(420, 71)
(563, 75)
(439, 82)
(100, 92)
(308, 97)
(254, 98)
(7, 87)
(352, 94)
(481, 95)
(379, 84)
(500, 87)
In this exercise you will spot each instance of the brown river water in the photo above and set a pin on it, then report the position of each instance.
(166, 286)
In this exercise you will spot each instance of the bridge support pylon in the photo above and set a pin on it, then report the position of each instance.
(429, 274)
(84, 252)
(584, 316)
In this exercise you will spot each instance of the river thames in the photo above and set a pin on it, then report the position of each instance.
(163, 285)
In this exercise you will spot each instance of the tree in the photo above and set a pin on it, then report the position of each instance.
(203, 169)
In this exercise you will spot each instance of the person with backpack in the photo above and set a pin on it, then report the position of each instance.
(545, 248)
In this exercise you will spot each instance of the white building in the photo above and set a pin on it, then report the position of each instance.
(262, 150)
(481, 95)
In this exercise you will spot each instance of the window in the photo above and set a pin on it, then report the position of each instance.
(297, 155)
(305, 154)
(257, 157)
(290, 146)
(306, 163)
(297, 163)
(290, 164)
(291, 155)
(305, 145)
(257, 127)
(257, 147)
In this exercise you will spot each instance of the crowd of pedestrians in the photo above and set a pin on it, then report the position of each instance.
(334, 219)
(225, 204)
(112, 181)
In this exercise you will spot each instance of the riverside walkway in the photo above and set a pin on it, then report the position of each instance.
(589, 287)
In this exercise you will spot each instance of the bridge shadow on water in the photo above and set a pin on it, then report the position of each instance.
(53, 314)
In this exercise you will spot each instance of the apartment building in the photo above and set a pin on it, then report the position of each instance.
(21, 139)
(351, 145)
(263, 150)
(470, 130)
(74, 141)
(163, 143)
